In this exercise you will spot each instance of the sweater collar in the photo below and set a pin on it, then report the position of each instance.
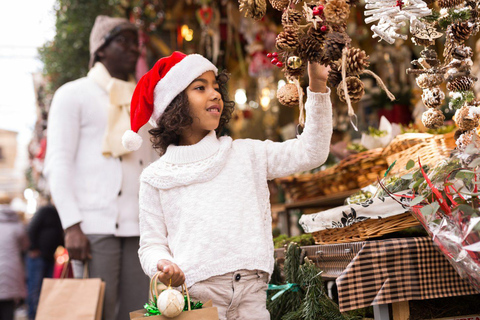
(202, 150)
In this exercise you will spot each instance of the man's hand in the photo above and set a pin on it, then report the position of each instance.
(77, 244)
(318, 75)
(170, 270)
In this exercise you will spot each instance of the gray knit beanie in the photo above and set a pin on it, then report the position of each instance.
(104, 29)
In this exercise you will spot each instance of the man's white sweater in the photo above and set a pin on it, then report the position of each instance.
(206, 206)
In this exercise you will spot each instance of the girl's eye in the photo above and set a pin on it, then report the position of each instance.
(200, 88)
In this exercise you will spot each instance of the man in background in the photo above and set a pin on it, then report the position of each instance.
(94, 180)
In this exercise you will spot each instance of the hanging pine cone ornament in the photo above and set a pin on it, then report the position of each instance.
(449, 3)
(291, 16)
(460, 84)
(292, 73)
(318, 33)
(333, 46)
(460, 31)
(288, 39)
(466, 138)
(433, 97)
(433, 118)
(288, 95)
(334, 77)
(280, 5)
(311, 49)
(428, 80)
(355, 87)
(357, 61)
(255, 9)
(465, 120)
(336, 11)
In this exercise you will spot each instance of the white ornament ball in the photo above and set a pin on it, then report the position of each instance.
(170, 303)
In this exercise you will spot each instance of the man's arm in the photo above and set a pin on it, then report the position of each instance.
(63, 136)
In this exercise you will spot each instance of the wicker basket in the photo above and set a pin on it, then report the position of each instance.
(410, 146)
(355, 171)
(366, 229)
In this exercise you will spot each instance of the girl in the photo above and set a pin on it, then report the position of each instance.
(204, 205)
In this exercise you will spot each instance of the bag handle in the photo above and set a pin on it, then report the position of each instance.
(66, 266)
(154, 288)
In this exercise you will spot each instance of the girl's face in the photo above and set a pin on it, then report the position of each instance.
(206, 106)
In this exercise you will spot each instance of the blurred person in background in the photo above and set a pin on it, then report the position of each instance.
(93, 179)
(14, 241)
(45, 233)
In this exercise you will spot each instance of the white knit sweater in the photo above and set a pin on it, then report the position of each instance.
(206, 206)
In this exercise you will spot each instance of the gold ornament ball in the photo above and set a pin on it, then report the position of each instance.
(294, 62)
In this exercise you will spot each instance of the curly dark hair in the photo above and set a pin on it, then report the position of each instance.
(176, 117)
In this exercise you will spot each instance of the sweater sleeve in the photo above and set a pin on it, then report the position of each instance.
(310, 149)
(153, 231)
(62, 141)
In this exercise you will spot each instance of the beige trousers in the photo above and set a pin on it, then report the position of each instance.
(240, 295)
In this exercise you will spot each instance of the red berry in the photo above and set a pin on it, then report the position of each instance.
(279, 64)
(320, 8)
(269, 55)
(316, 12)
(274, 60)
(323, 28)
(274, 54)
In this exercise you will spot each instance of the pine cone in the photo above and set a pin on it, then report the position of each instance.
(355, 89)
(334, 76)
(288, 39)
(427, 80)
(336, 11)
(292, 74)
(280, 5)
(433, 97)
(291, 16)
(464, 120)
(457, 134)
(311, 49)
(334, 44)
(466, 138)
(317, 33)
(433, 118)
(460, 84)
(357, 61)
(339, 27)
(288, 95)
(449, 3)
(460, 31)
(255, 9)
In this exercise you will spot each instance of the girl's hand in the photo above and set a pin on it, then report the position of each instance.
(318, 75)
(170, 271)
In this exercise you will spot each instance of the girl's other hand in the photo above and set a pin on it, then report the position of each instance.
(170, 271)
(318, 75)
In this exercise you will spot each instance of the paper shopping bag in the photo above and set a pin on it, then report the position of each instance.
(207, 312)
(79, 299)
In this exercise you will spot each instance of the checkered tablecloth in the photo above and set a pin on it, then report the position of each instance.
(395, 270)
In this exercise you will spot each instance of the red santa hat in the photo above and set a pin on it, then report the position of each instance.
(158, 87)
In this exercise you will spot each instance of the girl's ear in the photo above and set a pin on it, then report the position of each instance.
(100, 53)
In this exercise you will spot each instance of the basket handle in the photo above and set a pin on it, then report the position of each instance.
(154, 289)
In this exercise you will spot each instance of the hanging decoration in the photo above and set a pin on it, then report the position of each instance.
(208, 18)
(315, 32)
(392, 15)
(459, 20)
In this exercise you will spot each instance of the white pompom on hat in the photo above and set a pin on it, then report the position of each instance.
(158, 87)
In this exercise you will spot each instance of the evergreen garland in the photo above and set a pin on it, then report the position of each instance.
(304, 297)
(454, 15)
